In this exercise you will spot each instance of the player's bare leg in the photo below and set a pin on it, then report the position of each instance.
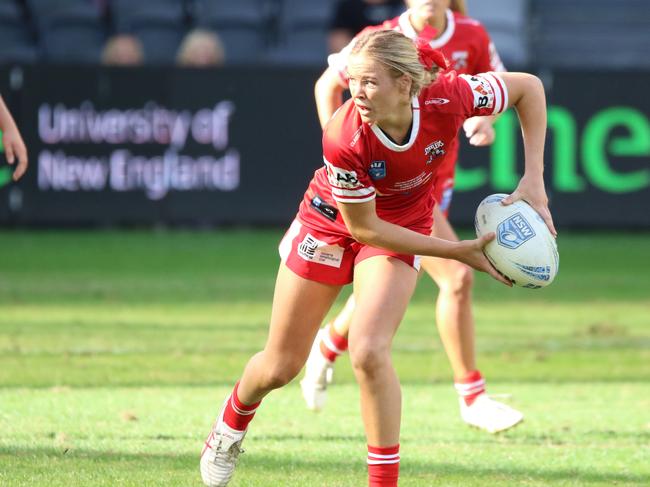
(331, 342)
(455, 323)
(382, 287)
(299, 306)
(454, 315)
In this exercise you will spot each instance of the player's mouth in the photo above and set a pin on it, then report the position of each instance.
(363, 110)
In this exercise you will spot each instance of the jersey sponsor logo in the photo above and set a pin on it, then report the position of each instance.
(328, 211)
(434, 150)
(459, 59)
(514, 231)
(436, 101)
(479, 89)
(355, 137)
(482, 91)
(340, 178)
(347, 180)
(377, 170)
(313, 250)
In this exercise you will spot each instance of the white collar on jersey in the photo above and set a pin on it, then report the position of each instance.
(383, 138)
(408, 30)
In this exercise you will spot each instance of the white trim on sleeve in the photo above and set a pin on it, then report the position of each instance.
(500, 92)
(353, 192)
(354, 200)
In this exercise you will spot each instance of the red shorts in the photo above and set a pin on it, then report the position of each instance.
(328, 258)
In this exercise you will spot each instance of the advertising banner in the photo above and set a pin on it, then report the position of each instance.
(238, 146)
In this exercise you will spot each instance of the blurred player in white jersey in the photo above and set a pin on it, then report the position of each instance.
(469, 50)
(365, 217)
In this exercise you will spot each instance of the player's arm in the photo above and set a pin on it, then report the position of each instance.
(328, 92)
(366, 227)
(526, 95)
(480, 130)
(12, 141)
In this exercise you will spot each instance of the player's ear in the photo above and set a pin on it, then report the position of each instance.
(405, 82)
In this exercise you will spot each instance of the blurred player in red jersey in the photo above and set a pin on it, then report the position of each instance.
(468, 47)
(12, 142)
(365, 217)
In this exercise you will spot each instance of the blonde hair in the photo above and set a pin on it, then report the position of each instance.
(458, 6)
(399, 54)
(123, 50)
(201, 47)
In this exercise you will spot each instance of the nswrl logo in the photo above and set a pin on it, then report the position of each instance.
(377, 170)
(514, 231)
(5, 172)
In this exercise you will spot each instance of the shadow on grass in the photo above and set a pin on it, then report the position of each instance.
(274, 465)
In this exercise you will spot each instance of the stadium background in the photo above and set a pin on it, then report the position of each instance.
(139, 250)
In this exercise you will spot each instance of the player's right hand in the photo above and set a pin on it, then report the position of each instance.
(470, 252)
(15, 149)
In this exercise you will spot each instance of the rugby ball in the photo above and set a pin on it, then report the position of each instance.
(524, 250)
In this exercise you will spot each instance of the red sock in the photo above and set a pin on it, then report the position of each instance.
(470, 386)
(237, 415)
(332, 344)
(383, 466)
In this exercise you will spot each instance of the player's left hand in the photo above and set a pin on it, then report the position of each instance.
(15, 149)
(532, 191)
(479, 130)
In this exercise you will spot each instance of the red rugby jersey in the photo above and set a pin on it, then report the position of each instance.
(465, 43)
(362, 163)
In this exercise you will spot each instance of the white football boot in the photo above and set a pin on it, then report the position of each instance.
(220, 453)
(318, 374)
(489, 415)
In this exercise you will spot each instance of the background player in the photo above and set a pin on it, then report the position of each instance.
(469, 49)
(351, 227)
(12, 141)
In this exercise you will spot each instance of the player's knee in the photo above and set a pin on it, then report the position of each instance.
(368, 358)
(281, 373)
(459, 281)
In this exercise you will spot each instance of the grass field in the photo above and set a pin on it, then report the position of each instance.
(117, 348)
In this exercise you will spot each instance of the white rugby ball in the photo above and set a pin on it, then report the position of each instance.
(524, 250)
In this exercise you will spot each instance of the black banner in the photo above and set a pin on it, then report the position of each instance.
(238, 146)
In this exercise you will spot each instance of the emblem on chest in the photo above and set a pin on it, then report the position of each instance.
(434, 150)
(377, 170)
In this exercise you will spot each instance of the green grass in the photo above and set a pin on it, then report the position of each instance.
(117, 348)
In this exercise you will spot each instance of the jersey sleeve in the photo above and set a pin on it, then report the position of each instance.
(495, 60)
(346, 174)
(483, 94)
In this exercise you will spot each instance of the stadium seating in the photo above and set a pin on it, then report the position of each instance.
(159, 24)
(15, 37)
(591, 33)
(69, 31)
(244, 26)
(507, 24)
(303, 26)
(545, 33)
